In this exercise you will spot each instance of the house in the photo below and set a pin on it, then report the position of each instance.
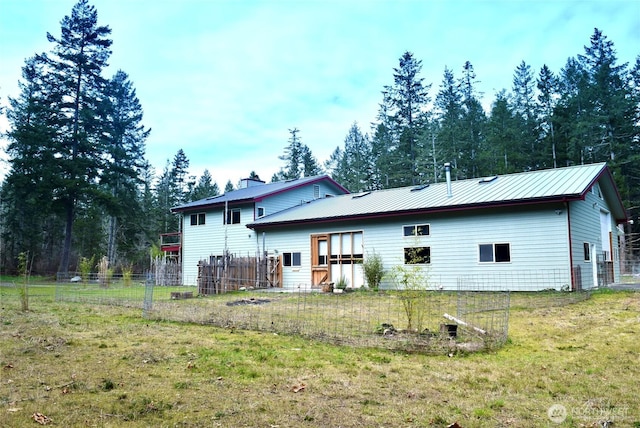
(216, 226)
(554, 228)
(535, 230)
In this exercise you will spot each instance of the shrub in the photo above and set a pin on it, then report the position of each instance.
(373, 270)
(85, 267)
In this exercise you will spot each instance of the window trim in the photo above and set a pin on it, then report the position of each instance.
(586, 248)
(198, 219)
(428, 256)
(292, 256)
(415, 228)
(264, 212)
(230, 216)
(494, 258)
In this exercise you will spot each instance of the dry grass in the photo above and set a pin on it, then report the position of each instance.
(84, 365)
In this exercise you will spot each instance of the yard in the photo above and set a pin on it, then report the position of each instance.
(80, 364)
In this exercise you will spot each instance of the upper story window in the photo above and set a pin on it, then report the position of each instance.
(233, 216)
(416, 230)
(260, 212)
(198, 219)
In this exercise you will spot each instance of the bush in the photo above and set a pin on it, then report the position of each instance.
(373, 270)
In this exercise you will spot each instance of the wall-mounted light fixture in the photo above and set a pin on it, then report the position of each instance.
(558, 212)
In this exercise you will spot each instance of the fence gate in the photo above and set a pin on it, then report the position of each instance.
(220, 274)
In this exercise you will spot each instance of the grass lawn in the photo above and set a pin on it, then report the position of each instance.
(104, 366)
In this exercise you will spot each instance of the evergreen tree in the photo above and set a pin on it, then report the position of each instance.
(449, 113)
(472, 123)
(502, 155)
(407, 99)
(292, 157)
(547, 90)
(206, 187)
(228, 187)
(28, 190)
(76, 62)
(310, 166)
(124, 139)
(524, 107)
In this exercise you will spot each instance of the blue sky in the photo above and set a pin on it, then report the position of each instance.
(226, 80)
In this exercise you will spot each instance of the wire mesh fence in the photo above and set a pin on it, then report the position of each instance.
(474, 317)
(415, 321)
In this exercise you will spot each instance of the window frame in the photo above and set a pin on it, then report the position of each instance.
(198, 219)
(586, 248)
(260, 209)
(415, 228)
(230, 216)
(292, 259)
(494, 252)
(422, 257)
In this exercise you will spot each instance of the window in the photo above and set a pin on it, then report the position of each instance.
(291, 259)
(494, 253)
(233, 216)
(416, 230)
(587, 251)
(417, 256)
(198, 219)
(261, 212)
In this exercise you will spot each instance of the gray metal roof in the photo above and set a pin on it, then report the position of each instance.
(256, 192)
(544, 185)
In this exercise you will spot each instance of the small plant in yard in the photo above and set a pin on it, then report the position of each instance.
(341, 283)
(373, 270)
(127, 274)
(85, 266)
(411, 282)
(105, 273)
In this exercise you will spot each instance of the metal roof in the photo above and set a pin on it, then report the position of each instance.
(256, 192)
(551, 185)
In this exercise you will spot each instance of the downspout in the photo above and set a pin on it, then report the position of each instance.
(573, 277)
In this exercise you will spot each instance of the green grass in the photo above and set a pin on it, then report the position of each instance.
(89, 365)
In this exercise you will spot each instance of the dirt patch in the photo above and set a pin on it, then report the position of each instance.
(251, 301)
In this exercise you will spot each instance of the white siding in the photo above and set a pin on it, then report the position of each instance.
(294, 197)
(200, 242)
(586, 226)
(538, 239)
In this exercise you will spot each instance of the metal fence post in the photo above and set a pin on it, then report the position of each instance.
(147, 306)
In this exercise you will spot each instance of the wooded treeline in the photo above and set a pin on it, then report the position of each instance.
(79, 184)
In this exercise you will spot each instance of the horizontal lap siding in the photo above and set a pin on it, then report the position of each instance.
(292, 198)
(200, 242)
(585, 227)
(538, 238)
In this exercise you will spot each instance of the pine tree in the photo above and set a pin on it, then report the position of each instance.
(407, 99)
(124, 139)
(472, 123)
(524, 107)
(76, 62)
(449, 113)
(547, 89)
(206, 187)
(28, 190)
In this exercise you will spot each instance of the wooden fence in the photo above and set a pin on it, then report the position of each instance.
(220, 274)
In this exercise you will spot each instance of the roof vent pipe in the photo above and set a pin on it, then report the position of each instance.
(447, 173)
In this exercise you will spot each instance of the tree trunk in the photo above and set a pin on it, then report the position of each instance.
(66, 249)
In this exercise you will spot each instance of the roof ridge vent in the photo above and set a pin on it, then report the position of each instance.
(488, 179)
